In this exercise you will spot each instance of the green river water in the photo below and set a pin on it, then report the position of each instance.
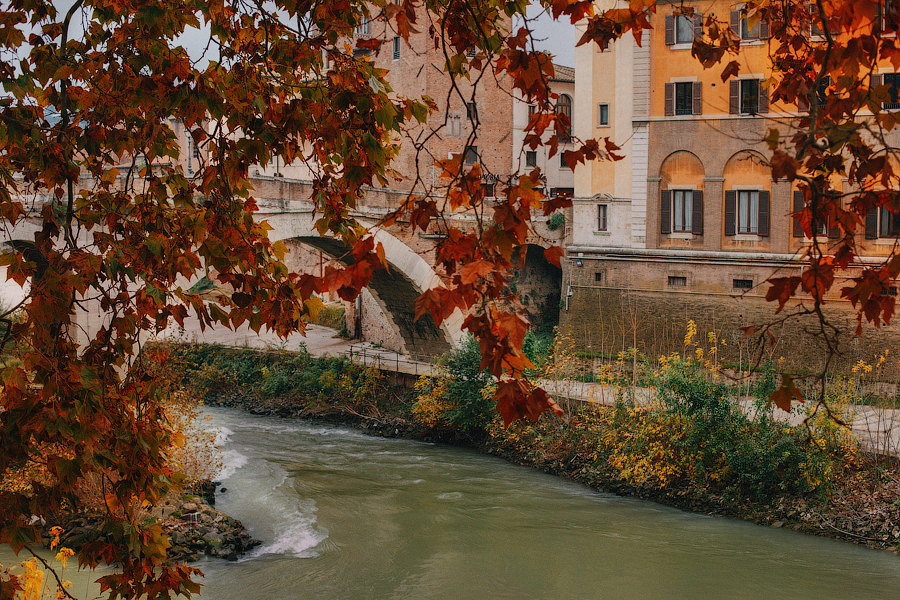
(346, 516)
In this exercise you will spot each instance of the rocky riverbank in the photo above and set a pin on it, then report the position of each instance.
(194, 527)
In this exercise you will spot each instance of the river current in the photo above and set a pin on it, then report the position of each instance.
(343, 516)
(346, 516)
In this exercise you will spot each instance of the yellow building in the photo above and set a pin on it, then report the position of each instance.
(691, 224)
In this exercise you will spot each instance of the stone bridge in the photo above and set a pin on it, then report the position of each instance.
(285, 205)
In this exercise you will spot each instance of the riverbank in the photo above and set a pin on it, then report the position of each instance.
(861, 504)
(194, 528)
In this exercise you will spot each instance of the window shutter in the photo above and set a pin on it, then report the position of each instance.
(697, 102)
(697, 213)
(730, 202)
(665, 211)
(798, 206)
(670, 99)
(764, 30)
(876, 80)
(736, 22)
(834, 231)
(763, 99)
(734, 97)
(670, 30)
(698, 26)
(872, 224)
(763, 214)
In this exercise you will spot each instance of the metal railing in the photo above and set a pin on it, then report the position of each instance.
(413, 364)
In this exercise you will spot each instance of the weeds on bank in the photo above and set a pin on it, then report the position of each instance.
(294, 381)
(686, 430)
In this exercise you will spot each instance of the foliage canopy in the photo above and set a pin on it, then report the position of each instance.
(87, 154)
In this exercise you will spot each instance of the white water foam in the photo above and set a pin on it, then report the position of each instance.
(232, 460)
(298, 537)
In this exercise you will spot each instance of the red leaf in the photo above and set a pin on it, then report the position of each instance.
(553, 254)
(731, 70)
(783, 288)
(783, 396)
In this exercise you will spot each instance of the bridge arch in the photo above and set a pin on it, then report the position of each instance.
(394, 290)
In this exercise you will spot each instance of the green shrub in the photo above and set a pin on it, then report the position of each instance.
(695, 433)
(556, 221)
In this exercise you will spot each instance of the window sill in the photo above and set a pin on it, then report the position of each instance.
(745, 237)
(605, 232)
(681, 235)
(885, 241)
(681, 46)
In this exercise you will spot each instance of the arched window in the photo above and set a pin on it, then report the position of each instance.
(564, 107)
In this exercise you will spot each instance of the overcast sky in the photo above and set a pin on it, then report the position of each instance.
(554, 37)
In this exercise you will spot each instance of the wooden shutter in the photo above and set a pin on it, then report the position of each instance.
(876, 80)
(763, 99)
(734, 97)
(764, 30)
(736, 22)
(697, 213)
(834, 230)
(798, 206)
(670, 30)
(697, 102)
(665, 211)
(730, 202)
(698, 26)
(670, 99)
(763, 214)
(872, 224)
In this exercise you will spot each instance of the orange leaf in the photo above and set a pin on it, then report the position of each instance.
(470, 273)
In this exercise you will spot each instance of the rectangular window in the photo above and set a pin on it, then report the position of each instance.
(488, 189)
(748, 211)
(602, 210)
(562, 161)
(749, 31)
(684, 96)
(363, 28)
(598, 277)
(396, 55)
(893, 80)
(682, 210)
(677, 281)
(602, 115)
(530, 158)
(742, 27)
(532, 108)
(742, 284)
(471, 112)
(749, 96)
(684, 29)
(470, 156)
(889, 224)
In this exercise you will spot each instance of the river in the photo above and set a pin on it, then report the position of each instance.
(346, 516)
